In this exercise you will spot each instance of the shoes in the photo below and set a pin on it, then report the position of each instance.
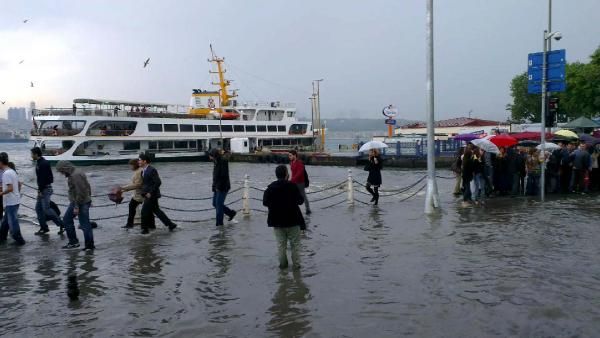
(172, 227)
(61, 230)
(127, 226)
(145, 231)
(42, 232)
(376, 201)
(230, 218)
(372, 199)
(71, 246)
(89, 248)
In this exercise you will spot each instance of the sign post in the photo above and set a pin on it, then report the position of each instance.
(390, 112)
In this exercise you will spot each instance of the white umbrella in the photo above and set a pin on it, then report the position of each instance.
(372, 145)
(486, 145)
(549, 146)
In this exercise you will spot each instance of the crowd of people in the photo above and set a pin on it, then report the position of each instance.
(516, 170)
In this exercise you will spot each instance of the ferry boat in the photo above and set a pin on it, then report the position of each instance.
(98, 131)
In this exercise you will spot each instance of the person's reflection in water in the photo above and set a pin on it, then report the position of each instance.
(289, 316)
(145, 270)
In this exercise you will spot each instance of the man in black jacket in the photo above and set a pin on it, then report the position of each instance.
(44, 176)
(151, 193)
(220, 186)
(283, 198)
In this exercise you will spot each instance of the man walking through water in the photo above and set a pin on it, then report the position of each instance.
(220, 186)
(80, 200)
(299, 177)
(282, 197)
(151, 192)
(44, 176)
(11, 198)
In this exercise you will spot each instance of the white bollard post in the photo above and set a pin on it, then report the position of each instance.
(350, 188)
(246, 197)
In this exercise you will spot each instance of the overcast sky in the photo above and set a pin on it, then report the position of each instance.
(369, 53)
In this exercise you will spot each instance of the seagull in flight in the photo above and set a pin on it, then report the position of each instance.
(21, 62)
(146, 62)
(25, 21)
(3, 102)
(31, 84)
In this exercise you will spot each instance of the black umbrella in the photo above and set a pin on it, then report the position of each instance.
(528, 143)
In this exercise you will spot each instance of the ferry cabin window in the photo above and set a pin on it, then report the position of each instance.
(298, 129)
(181, 144)
(186, 128)
(61, 128)
(213, 128)
(165, 144)
(171, 127)
(261, 128)
(250, 129)
(237, 128)
(286, 142)
(152, 145)
(131, 145)
(227, 128)
(290, 114)
(277, 142)
(200, 128)
(111, 128)
(155, 127)
(281, 128)
(272, 128)
(193, 144)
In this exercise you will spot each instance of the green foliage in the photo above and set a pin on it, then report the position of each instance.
(582, 97)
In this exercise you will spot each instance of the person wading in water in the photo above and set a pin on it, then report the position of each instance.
(374, 180)
(151, 192)
(220, 186)
(136, 184)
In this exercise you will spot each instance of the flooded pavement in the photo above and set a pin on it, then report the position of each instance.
(512, 268)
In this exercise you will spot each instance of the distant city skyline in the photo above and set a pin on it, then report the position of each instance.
(369, 54)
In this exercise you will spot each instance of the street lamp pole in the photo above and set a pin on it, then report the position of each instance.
(543, 117)
(432, 198)
(318, 110)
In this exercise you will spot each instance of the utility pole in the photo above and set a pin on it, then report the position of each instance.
(549, 130)
(312, 116)
(318, 110)
(431, 199)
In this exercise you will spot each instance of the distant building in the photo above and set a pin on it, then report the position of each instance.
(16, 114)
(452, 127)
(31, 109)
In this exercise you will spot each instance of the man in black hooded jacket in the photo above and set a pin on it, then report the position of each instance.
(283, 198)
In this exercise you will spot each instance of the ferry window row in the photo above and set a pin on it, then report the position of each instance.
(214, 128)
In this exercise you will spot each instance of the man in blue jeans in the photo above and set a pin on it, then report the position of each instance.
(80, 200)
(44, 176)
(11, 200)
(220, 186)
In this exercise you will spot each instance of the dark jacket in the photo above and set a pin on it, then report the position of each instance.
(283, 198)
(80, 191)
(221, 175)
(43, 172)
(468, 166)
(151, 182)
(374, 170)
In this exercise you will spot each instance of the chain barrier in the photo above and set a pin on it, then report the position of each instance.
(327, 188)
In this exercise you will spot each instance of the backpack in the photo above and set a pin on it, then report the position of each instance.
(306, 181)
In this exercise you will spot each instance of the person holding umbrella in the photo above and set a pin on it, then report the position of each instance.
(374, 180)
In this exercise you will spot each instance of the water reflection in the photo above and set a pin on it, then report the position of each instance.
(145, 270)
(214, 290)
(289, 315)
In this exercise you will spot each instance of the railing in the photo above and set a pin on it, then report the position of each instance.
(418, 148)
(55, 132)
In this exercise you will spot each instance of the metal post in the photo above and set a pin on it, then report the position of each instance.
(543, 118)
(432, 198)
(549, 41)
(350, 188)
(312, 119)
(246, 196)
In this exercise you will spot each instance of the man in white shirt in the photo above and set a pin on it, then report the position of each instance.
(11, 199)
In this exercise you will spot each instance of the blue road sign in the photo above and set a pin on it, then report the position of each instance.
(390, 121)
(552, 86)
(554, 56)
(556, 72)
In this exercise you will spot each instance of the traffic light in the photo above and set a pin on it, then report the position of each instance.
(551, 112)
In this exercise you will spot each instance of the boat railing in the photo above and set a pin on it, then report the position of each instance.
(266, 104)
(55, 132)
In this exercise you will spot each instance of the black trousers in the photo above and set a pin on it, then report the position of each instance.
(133, 204)
(151, 208)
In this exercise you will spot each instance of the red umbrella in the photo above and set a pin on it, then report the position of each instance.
(530, 135)
(503, 140)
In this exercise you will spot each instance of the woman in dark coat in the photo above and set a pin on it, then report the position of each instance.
(468, 167)
(374, 180)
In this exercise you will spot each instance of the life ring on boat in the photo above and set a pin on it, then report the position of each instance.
(211, 103)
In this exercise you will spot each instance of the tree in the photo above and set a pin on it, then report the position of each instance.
(582, 97)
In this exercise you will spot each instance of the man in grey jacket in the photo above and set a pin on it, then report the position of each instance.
(80, 198)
